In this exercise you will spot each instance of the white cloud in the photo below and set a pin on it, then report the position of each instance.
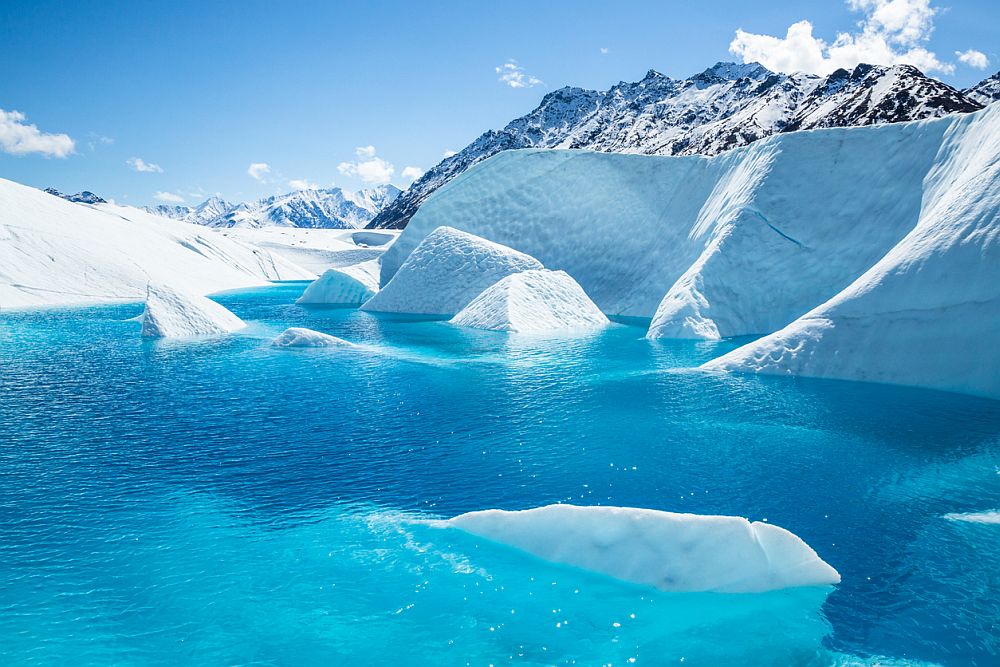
(97, 140)
(892, 32)
(168, 197)
(412, 173)
(448, 153)
(369, 168)
(605, 50)
(258, 171)
(20, 138)
(973, 58)
(302, 184)
(514, 76)
(139, 164)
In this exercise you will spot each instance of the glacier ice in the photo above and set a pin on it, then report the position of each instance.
(668, 551)
(346, 286)
(55, 252)
(866, 253)
(928, 312)
(302, 337)
(171, 313)
(533, 301)
(445, 272)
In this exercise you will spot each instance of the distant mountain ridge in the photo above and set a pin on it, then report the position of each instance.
(332, 208)
(986, 91)
(85, 197)
(726, 106)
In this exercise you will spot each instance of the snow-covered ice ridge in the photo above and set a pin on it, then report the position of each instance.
(664, 550)
(724, 107)
(331, 208)
(872, 253)
(54, 252)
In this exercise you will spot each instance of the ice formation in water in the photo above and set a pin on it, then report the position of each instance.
(346, 286)
(302, 337)
(174, 314)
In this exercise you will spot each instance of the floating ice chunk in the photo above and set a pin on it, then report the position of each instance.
(173, 314)
(302, 337)
(975, 517)
(671, 552)
(533, 301)
(446, 271)
(346, 286)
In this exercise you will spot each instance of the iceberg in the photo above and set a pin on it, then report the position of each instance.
(445, 272)
(174, 314)
(302, 337)
(928, 312)
(664, 550)
(346, 286)
(533, 301)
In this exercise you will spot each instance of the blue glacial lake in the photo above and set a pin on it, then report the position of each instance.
(224, 502)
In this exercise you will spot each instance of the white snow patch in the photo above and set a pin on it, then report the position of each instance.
(975, 517)
(302, 337)
(668, 551)
(533, 301)
(174, 314)
(347, 286)
(446, 271)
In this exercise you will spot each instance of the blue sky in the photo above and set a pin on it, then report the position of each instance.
(198, 92)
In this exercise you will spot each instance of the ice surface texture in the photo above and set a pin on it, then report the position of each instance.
(446, 271)
(346, 286)
(671, 552)
(174, 314)
(302, 337)
(534, 301)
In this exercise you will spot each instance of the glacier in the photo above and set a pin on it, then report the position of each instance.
(55, 252)
(346, 286)
(446, 271)
(536, 301)
(171, 313)
(664, 550)
(893, 227)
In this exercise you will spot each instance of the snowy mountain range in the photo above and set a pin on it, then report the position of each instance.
(986, 91)
(85, 197)
(332, 208)
(726, 106)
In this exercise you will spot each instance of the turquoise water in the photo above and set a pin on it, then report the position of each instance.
(223, 502)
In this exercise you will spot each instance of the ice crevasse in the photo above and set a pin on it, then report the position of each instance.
(664, 550)
(871, 252)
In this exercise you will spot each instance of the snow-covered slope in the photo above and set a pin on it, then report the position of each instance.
(986, 91)
(56, 252)
(749, 241)
(668, 551)
(331, 208)
(171, 313)
(536, 301)
(724, 107)
(928, 312)
(446, 271)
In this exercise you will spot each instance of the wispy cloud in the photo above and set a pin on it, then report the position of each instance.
(96, 140)
(514, 76)
(412, 173)
(139, 164)
(448, 153)
(168, 197)
(259, 171)
(302, 184)
(605, 50)
(891, 32)
(17, 137)
(973, 58)
(368, 167)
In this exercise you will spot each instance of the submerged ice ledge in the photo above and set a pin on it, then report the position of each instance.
(664, 550)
